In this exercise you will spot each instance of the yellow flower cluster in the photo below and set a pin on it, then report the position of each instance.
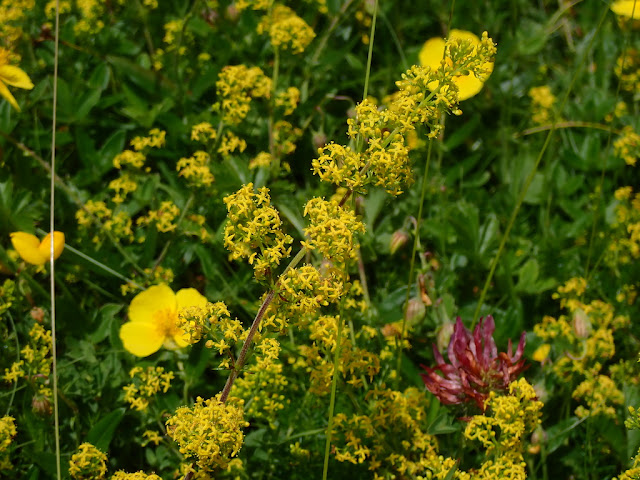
(542, 101)
(624, 238)
(262, 385)
(133, 158)
(627, 146)
(286, 29)
(253, 4)
(236, 86)
(230, 143)
(151, 436)
(203, 132)
(254, 230)
(287, 100)
(121, 475)
(210, 432)
(151, 276)
(302, 292)
(146, 384)
(175, 36)
(195, 169)
(627, 69)
(162, 218)
(88, 463)
(97, 212)
(601, 396)
(514, 415)
(91, 14)
(35, 361)
(332, 230)
(155, 139)
(198, 321)
(263, 159)
(285, 137)
(123, 185)
(391, 436)
(12, 13)
(8, 430)
(355, 363)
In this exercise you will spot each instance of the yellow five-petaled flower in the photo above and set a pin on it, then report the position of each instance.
(153, 317)
(34, 251)
(13, 76)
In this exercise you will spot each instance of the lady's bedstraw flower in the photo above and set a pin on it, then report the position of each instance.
(286, 29)
(12, 76)
(476, 366)
(210, 432)
(469, 81)
(34, 251)
(88, 464)
(8, 430)
(153, 317)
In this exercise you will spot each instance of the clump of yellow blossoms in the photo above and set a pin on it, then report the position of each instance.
(7, 432)
(254, 230)
(380, 155)
(542, 101)
(34, 364)
(153, 319)
(287, 100)
(162, 218)
(586, 337)
(236, 86)
(627, 69)
(468, 81)
(203, 132)
(331, 230)
(627, 146)
(195, 169)
(624, 245)
(511, 417)
(121, 475)
(97, 213)
(146, 383)
(286, 29)
(88, 463)
(210, 432)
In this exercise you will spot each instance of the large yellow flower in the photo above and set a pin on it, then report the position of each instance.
(34, 251)
(431, 56)
(626, 8)
(13, 76)
(153, 316)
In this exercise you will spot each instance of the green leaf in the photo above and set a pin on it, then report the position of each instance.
(102, 432)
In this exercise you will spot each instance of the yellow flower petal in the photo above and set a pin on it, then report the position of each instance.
(141, 338)
(190, 297)
(144, 306)
(4, 92)
(15, 77)
(625, 8)
(58, 245)
(431, 55)
(28, 247)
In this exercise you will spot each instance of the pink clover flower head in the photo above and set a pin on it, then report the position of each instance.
(476, 367)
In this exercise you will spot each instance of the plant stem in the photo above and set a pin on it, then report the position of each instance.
(332, 401)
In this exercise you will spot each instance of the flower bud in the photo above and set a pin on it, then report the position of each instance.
(581, 324)
(40, 404)
(414, 311)
(443, 336)
(399, 239)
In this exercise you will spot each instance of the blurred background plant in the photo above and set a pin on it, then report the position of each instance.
(166, 108)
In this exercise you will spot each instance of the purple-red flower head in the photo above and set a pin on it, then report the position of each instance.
(476, 366)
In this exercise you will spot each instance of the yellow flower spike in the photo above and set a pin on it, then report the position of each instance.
(153, 317)
(13, 76)
(34, 251)
(431, 56)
